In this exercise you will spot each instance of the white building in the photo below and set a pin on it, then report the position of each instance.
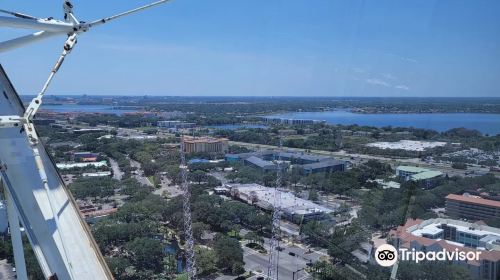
(454, 235)
(294, 208)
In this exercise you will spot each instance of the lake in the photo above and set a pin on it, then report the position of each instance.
(104, 109)
(485, 123)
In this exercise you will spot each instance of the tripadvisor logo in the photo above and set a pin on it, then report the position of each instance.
(387, 255)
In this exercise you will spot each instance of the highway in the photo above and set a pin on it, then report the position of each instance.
(359, 158)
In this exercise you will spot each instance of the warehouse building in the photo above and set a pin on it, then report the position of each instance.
(324, 166)
(294, 208)
(265, 160)
(81, 164)
(264, 165)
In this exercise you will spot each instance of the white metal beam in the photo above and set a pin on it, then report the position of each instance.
(40, 24)
(17, 241)
(24, 40)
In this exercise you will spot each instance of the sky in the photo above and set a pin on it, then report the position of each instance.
(391, 48)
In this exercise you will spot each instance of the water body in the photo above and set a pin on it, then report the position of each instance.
(485, 123)
(68, 108)
(171, 250)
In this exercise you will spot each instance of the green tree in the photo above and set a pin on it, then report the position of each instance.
(313, 195)
(117, 265)
(229, 252)
(146, 253)
(206, 261)
(431, 271)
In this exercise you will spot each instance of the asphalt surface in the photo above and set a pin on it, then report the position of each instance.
(290, 265)
(139, 175)
(117, 173)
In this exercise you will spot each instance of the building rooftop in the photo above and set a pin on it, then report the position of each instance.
(81, 164)
(427, 175)
(289, 202)
(204, 139)
(412, 169)
(473, 200)
(97, 174)
(322, 164)
(414, 231)
(490, 235)
(302, 156)
(409, 145)
(260, 162)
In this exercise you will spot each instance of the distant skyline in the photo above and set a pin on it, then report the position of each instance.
(419, 48)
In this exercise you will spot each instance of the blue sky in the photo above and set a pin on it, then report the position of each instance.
(270, 48)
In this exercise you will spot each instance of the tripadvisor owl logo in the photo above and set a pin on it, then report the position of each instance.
(386, 255)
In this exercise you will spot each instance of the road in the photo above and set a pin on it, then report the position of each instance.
(288, 263)
(117, 173)
(166, 186)
(139, 174)
(358, 158)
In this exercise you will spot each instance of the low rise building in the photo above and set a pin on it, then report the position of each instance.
(84, 157)
(407, 145)
(472, 207)
(294, 208)
(454, 235)
(425, 177)
(89, 211)
(291, 121)
(81, 164)
(362, 133)
(306, 162)
(324, 166)
(175, 124)
(97, 174)
(264, 165)
(87, 130)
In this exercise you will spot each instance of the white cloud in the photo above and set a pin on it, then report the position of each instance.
(402, 87)
(388, 76)
(379, 82)
(358, 70)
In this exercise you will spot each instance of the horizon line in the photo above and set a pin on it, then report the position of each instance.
(258, 96)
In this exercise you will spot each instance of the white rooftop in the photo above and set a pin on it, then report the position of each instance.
(289, 202)
(81, 164)
(489, 235)
(408, 145)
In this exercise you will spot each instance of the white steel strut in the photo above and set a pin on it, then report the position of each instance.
(59, 257)
(49, 27)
